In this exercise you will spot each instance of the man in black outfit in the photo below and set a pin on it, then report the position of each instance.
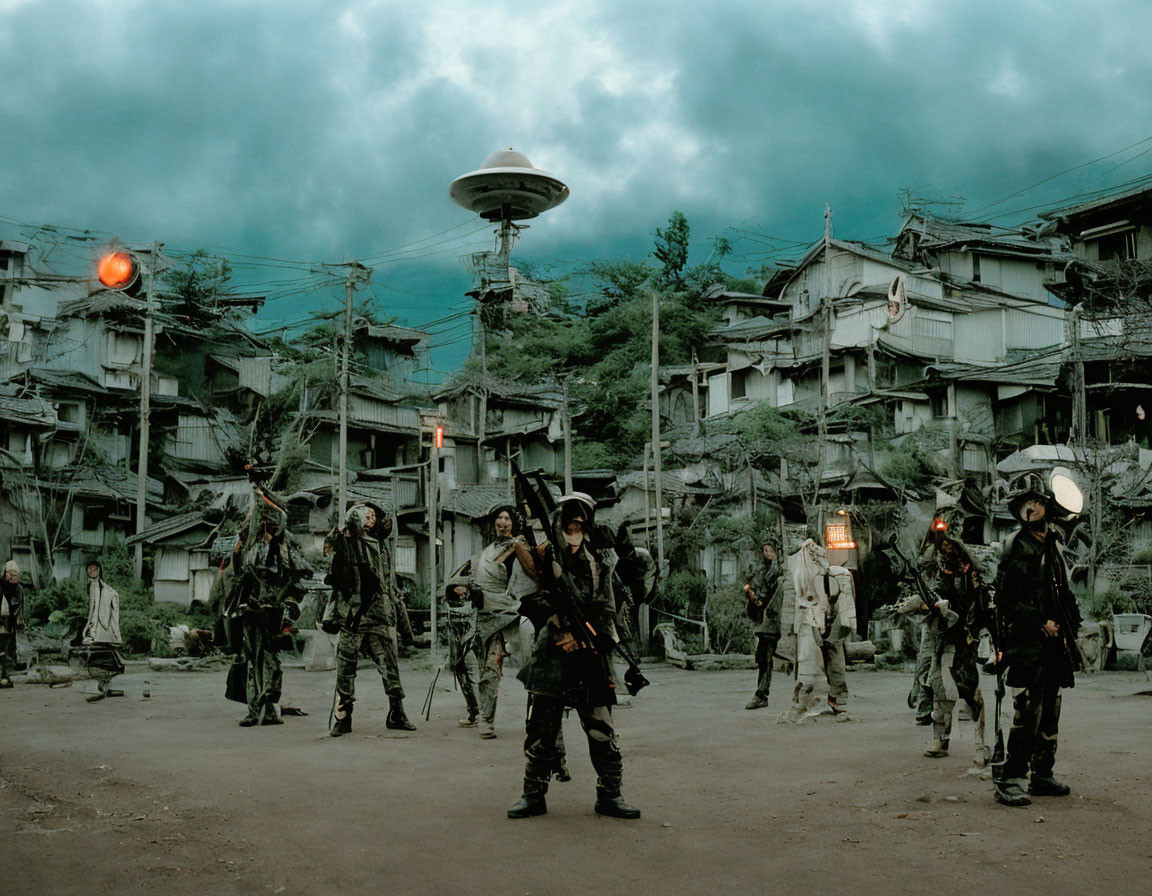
(1039, 620)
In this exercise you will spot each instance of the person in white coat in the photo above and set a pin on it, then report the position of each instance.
(101, 639)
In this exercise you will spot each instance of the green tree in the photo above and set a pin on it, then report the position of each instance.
(671, 249)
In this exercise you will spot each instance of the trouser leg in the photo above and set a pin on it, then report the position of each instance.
(765, 647)
(835, 667)
(466, 679)
(347, 656)
(380, 646)
(944, 692)
(7, 653)
(1044, 750)
(1027, 709)
(602, 748)
(541, 728)
(490, 675)
(921, 687)
(967, 677)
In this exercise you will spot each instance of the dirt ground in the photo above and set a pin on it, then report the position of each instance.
(167, 795)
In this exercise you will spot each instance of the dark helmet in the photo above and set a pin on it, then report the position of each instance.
(576, 506)
(1025, 488)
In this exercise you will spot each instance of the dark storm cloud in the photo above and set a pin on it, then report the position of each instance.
(316, 131)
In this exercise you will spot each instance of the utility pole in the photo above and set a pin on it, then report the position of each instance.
(356, 273)
(695, 398)
(826, 350)
(482, 423)
(567, 442)
(145, 412)
(656, 428)
(1079, 400)
(433, 525)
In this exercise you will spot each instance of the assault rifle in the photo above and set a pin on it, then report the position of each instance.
(558, 589)
(949, 617)
(998, 668)
(1061, 594)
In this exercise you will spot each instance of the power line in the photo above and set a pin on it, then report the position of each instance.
(1061, 174)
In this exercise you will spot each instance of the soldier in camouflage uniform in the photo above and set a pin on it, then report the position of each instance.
(765, 595)
(564, 672)
(264, 598)
(461, 616)
(953, 625)
(366, 611)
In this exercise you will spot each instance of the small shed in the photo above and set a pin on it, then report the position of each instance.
(183, 572)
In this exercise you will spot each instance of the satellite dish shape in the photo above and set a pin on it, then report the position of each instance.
(897, 298)
(507, 188)
(1065, 491)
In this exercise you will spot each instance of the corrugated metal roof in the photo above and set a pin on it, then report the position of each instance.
(937, 234)
(390, 333)
(672, 482)
(547, 394)
(752, 329)
(169, 528)
(1094, 204)
(475, 501)
(71, 380)
(32, 412)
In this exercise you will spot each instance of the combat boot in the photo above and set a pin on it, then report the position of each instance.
(487, 729)
(610, 803)
(1010, 793)
(342, 720)
(532, 802)
(757, 702)
(396, 720)
(271, 716)
(253, 718)
(938, 750)
(1046, 785)
(560, 770)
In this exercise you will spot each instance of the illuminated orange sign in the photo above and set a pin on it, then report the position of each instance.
(838, 536)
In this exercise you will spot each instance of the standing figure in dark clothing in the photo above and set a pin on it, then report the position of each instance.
(11, 619)
(264, 598)
(1038, 619)
(366, 611)
(765, 597)
(566, 671)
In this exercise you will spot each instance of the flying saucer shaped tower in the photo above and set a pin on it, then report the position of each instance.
(507, 188)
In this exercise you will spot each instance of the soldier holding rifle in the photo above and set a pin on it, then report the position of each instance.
(569, 666)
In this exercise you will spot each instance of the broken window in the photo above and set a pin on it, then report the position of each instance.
(739, 383)
(1119, 246)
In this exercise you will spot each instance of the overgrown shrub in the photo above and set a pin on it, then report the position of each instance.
(730, 629)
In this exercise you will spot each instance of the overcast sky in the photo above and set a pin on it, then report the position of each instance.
(320, 131)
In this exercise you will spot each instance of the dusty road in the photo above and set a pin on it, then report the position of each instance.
(169, 796)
